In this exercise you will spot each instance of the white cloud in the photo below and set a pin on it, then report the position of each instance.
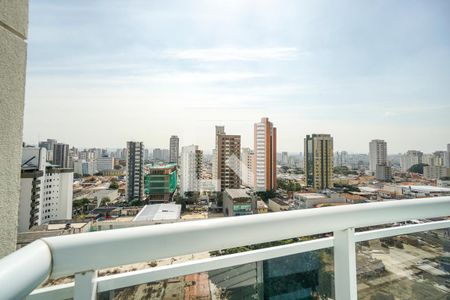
(236, 54)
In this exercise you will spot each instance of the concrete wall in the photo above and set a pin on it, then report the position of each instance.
(13, 54)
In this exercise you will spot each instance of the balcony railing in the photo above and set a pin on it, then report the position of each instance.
(83, 254)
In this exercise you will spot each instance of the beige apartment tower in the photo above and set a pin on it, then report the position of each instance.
(265, 168)
(319, 161)
(226, 162)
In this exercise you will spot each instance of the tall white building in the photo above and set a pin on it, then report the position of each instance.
(84, 167)
(32, 179)
(105, 163)
(447, 161)
(248, 161)
(46, 192)
(265, 135)
(157, 154)
(435, 172)
(284, 158)
(174, 149)
(190, 169)
(58, 195)
(409, 159)
(377, 154)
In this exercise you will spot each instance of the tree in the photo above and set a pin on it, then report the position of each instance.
(81, 203)
(417, 168)
(136, 203)
(266, 195)
(105, 201)
(113, 185)
(117, 167)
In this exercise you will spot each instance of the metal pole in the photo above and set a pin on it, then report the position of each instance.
(85, 286)
(345, 265)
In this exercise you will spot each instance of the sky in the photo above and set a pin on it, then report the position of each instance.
(101, 73)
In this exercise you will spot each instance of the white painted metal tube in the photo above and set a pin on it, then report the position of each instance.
(97, 250)
(400, 230)
(22, 271)
(118, 281)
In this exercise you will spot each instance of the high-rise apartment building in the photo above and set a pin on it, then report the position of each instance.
(435, 172)
(46, 191)
(105, 164)
(248, 163)
(49, 145)
(409, 159)
(340, 158)
(61, 155)
(377, 154)
(383, 172)
(265, 138)
(440, 158)
(135, 171)
(318, 161)
(190, 169)
(32, 179)
(227, 159)
(84, 167)
(165, 155)
(284, 158)
(447, 161)
(157, 154)
(174, 149)
(58, 194)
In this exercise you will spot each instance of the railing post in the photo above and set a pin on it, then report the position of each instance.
(85, 286)
(345, 265)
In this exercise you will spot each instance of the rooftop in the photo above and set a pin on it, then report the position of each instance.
(308, 196)
(161, 166)
(237, 193)
(159, 212)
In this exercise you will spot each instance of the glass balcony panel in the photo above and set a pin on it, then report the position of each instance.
(405, 267)
(300, 276)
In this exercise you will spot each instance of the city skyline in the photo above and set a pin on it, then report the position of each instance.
(309, 67)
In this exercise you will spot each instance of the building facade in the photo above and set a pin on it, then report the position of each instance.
(84, 167)
(236, 202)
(284, 158)
(174, 149)
(58, 194)
(46, 191)
(227, 160)
(190, 169)
(247, 171)
(49, 145)
(265, 139)
(104, 164)
(135, 171)
(383, 172)
(160, 182)
(61, 155)
(435, 172)
(318, 161)
(32, 178)
(377, 154)
(409, 159)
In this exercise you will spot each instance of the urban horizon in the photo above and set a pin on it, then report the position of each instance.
(340, 72)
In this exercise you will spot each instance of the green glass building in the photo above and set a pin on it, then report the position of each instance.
(160, 182)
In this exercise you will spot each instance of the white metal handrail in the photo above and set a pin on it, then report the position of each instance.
(83, 254)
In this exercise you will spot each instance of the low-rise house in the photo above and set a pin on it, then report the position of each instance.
(236, 202)
(277, 204)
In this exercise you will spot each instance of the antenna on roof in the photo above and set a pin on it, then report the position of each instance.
(28, 161)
